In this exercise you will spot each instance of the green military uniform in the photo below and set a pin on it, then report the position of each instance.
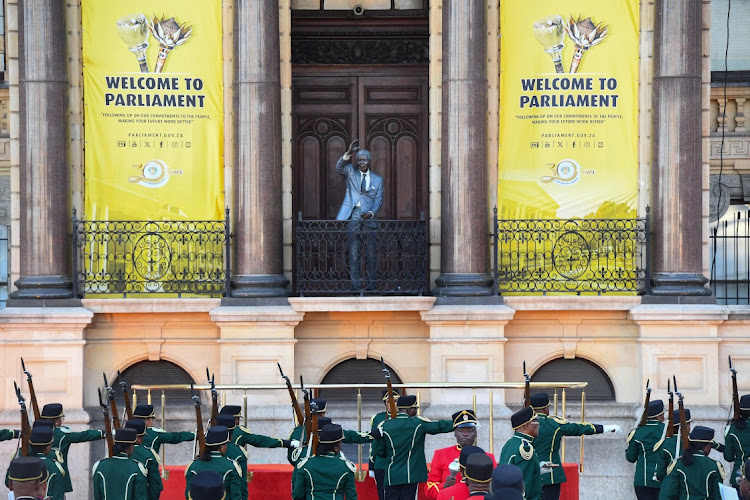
(328, 476)
(403, 446)
(700, 480)
(641, 442)
(150, 462)
(56, 478)
(155, 437)
(737, 448)
(665, 451)
(519, 451)
(119, 478)
(62, 439)
(547, 443)
(294, 455)
(228, 470)
(377, 447)
(7, 434)
(239, 457)
(242, 436)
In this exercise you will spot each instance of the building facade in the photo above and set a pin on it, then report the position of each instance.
(426, 73)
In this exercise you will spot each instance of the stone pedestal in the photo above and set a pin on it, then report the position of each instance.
(252, 341)
(681, 340)
(467, 344)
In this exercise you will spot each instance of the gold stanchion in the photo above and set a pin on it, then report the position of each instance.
(148, 397)
(555, 406)
(492, 425)
(419, 403)
(474, 400)
(562, 439)
(135, 400)
(360, 475)
(244, 404)
(164, 471)
(223, 399)
(583, 420)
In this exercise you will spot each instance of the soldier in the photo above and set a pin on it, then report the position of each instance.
(27, 477)
(155, 436)
(147, 458)
(507, 483)
(317, 407)
(64, 437)
(120, 477)
(547, 443)
(737, 440)
(694, 474)
(234, 452)
(641, 442)
(8, 434)
(206, 485)
(460, 490)
(404, 448)
(40, 442)
(376, 467)
(327, 474)
(214, 459)
(242, 436)
(478, 473)
(440, 477)
(519, 451)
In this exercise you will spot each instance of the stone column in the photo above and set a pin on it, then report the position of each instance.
(464, 227)
(44, 180)
(677, 195)
(258, 266)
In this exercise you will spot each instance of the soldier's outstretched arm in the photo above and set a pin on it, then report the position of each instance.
(84, 436)
(7, 434)
(258, 440)
(354, 437)
(438, 426)
(175, 437)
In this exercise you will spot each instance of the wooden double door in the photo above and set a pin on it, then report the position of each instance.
(388, 113)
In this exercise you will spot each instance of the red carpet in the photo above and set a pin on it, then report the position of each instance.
(273, 482)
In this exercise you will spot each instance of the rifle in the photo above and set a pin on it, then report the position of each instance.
(107, 425)
(112, 402)
(199, 433)
(684, 438)
(214, 399)
(670, 425)
(308, 413)
(25, 426)
(315, 437)
(295, 405)
(527, 387)
(735, 394)
(126, 396)
(391, 401)
(644, 415)
(32, 393)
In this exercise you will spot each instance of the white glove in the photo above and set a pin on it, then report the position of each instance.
(612, 428)
(371, 474)
(294, 443)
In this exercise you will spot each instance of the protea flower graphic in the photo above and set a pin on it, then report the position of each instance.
(169, 34)
(133, 30)
(585, 34)
(550, 32)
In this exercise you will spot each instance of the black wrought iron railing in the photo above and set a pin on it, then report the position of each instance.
(148, 257)
(572, 256)
(369, 257)
(730, 259)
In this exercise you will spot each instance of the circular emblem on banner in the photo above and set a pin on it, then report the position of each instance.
(154, 174)
(565, 172)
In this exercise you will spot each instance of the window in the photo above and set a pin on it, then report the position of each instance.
(730, 256)
(739, 35)
(356, 371)
(152, 373)
(576, 370)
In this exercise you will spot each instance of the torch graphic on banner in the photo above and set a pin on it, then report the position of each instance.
(170, 35)
(550, 32)
(585, 34)
(133, 30)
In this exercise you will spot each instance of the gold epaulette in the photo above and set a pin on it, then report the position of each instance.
(142, 468)
(559, 420)
(658, 444)
(301, 463)
(631, 434)
(424, 418)
(671, 466)
(245, 429)
(721, 470)
(349, 464)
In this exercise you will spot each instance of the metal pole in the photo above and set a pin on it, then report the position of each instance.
(496, 262)
(164, 473)
(492, 424)
(135, 399)
(244, 403)
(148, 397)
(228, 251)
(474, 400)
(583, 419)
(555, 399)
(419, 403)
(74, 255)
(562, 439)
(360, 472)
(223, 399)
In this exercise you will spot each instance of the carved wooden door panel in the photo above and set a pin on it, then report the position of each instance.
(388, 114)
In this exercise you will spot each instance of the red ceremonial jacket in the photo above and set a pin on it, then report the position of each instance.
(439, 470)
(458, 491)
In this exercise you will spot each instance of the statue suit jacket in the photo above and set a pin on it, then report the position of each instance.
(370, 201)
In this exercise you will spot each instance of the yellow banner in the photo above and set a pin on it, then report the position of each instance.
(569, 109)
(153, 96)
